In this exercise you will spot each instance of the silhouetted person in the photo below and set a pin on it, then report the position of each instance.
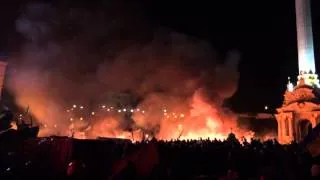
(76, 170)
(127, 173)
(6, 116)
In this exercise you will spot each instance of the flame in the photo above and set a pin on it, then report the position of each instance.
(143, 70)
(204, 121)
(107, 127)
(194, 118)
(14, 125)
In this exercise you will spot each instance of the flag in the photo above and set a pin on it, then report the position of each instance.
(147, 159)
(144, 160)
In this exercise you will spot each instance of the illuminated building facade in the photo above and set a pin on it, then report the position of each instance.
(300, 111)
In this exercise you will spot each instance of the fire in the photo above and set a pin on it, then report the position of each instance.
(200, 121)
(194, 118)
(203, 121)
(168, 64)
(107, 127)
(14, 125)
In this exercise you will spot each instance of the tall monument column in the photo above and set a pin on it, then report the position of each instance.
(300, 110)
(305, 37)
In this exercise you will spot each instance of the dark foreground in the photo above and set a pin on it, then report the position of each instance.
(66, 158)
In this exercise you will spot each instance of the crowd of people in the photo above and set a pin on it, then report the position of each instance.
(255, 160)
(194, 159)
(233, 160)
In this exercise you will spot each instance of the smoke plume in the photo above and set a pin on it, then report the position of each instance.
(87, 56)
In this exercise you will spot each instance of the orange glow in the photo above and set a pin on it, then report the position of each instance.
(169, 117)
(203, 121)
(108, 127)
(191, 119)
(13, 125)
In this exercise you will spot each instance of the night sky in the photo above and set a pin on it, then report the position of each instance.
(263, 31)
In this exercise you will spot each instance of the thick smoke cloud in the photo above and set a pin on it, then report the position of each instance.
(74, 55)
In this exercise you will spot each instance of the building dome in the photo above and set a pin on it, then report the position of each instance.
(303, 93)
